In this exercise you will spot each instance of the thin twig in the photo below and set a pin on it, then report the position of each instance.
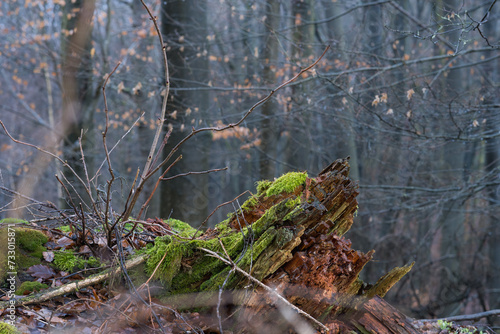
(83, 158)
(159, 128)
(245, 116)
(156, 187)
(217, 208)
(92, 201)
(116, 144)
(162, 146)
(109, 182)
(146, 173)
(68, 194)
(193, 173)
(151, 196)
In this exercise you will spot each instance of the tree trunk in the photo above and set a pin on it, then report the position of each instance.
(453, 217)
(269, 133)
(78, 93)
(299, 146)
(184, 26)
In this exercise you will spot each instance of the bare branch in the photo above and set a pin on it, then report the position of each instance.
(193, 173)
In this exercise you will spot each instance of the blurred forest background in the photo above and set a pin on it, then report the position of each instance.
(409, 90)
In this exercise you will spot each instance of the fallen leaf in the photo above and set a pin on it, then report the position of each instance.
(65, 241)
(85, 250)
(409, 93)
(56, 319)
(48, 256)
(41, 271)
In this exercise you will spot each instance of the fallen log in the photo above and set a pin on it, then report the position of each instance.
(289, 236)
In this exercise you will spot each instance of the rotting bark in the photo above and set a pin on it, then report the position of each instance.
(289, 236)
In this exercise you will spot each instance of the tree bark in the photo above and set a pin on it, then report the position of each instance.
(184, 26)
(79, 95)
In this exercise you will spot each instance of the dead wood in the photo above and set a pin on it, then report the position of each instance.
(291, 239)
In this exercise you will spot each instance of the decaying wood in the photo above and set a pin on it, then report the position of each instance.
(304, 258)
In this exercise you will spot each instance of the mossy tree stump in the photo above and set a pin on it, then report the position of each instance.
(288, 235)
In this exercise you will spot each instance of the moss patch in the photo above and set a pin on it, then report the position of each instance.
(183, 229)
(181, 256)
(286, 183)
(12, 221)
(249, 203)
(6, 328)
(67, 261)
(31, 240)
(262, 186)
(65, 228)
(29, 287)
(28, 249)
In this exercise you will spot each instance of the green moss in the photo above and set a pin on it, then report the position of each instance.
(30, 287)
(249, 203)
(12, 221)
(93, 262)
(223, 228)
(177, 272)
(295, 205)
(128, 227)
(31, 241)
(6, 328)
(268, 218)
(24, 261)
(28, 249)
(170, 266)
(65, 228)
(286, 183)
(183, 229)
(246, 262)
(262, 186)
(292, 203)
(67, 261)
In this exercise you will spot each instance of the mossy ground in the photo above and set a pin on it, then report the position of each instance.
(6, 328)
(67, 261)
(31, 241)
(28, 249)
(183, 229)
(12, 221)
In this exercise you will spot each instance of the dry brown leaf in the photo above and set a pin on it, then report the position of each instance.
(48, 256)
